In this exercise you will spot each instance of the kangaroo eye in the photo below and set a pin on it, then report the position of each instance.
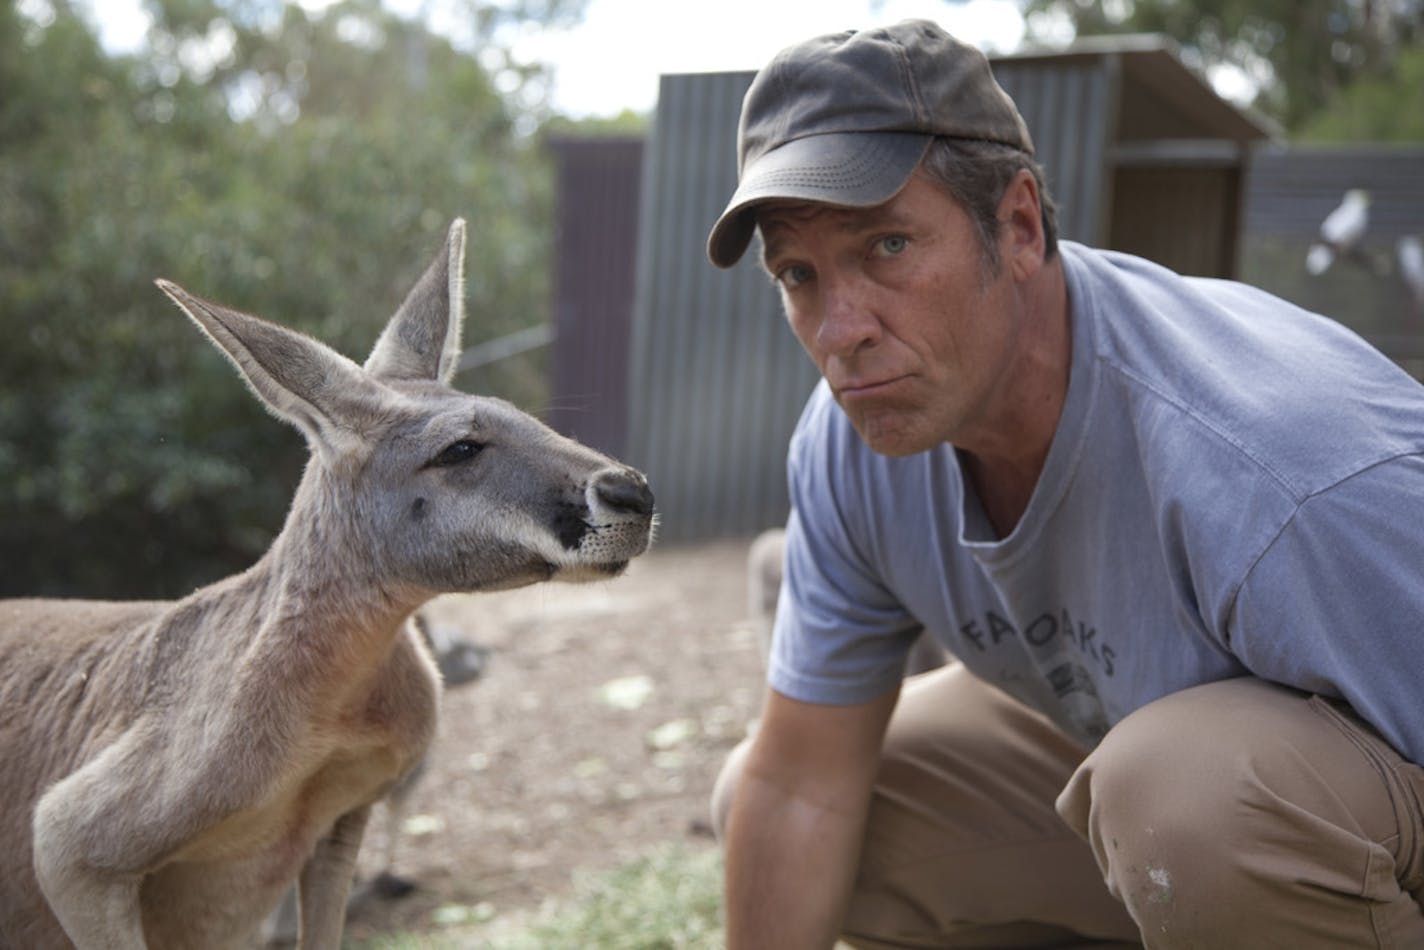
(457, 452)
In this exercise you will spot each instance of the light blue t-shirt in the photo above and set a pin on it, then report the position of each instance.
(1235, 487)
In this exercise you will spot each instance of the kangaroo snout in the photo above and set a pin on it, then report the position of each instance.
(623, 490)
(614, 526)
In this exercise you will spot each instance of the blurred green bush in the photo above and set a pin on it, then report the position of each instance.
(303, 169)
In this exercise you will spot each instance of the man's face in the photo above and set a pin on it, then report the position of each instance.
(911, 327)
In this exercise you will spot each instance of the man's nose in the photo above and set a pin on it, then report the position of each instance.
(848, 322)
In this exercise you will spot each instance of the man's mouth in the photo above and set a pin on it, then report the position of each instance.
(866, 388)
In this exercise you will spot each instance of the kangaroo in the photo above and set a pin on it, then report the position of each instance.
(169, 769)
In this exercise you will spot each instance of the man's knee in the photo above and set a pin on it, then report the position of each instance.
(1151, 800)
(1226, 794)
(1207, 758)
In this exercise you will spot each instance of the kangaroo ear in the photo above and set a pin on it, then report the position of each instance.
(299, 379)
(422, 340)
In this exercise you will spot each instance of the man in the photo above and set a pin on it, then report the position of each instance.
(1172, 530)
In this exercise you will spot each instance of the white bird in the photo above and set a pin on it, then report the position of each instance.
(1410, 251)
(1340, 232)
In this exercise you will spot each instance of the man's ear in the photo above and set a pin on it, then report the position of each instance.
(1021, 238)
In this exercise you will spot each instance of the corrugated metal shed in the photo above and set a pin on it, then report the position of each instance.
(1142, 155)
(716, 375)
(717, 380)
(598, 182)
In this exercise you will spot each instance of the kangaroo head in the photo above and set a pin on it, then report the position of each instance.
(427, 487)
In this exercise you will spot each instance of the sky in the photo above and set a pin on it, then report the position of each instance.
(613, 59)
(617, 54)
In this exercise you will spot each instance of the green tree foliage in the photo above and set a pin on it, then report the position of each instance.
(625, 123)
(1301, 53)
(298, 166)
(1375, 108)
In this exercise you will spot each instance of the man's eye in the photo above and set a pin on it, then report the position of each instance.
(457, 452)
(793, 275)
(892, 244)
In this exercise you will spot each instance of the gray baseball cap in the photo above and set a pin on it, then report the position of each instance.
(845, 118)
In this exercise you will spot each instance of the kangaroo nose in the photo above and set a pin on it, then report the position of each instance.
(625, 491)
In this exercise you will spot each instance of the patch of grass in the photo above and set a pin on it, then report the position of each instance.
(669, 899)
(400, 942)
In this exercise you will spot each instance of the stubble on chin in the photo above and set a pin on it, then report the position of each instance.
(892, 432)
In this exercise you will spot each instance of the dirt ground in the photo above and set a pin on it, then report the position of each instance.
(595, 734)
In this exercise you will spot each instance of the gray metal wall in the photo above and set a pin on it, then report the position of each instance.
(1291, 190)
(716, 379)
(1294, 187)
(599, 182)
(1068, 106)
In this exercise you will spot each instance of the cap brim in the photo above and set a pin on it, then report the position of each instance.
(849, 169)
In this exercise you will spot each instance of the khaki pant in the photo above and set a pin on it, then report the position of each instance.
(1235, 814)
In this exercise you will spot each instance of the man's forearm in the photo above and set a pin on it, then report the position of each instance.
(790, 865)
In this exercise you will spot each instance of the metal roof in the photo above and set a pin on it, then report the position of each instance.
(1155, 72)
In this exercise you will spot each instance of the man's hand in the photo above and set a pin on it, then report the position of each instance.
(797, 820)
